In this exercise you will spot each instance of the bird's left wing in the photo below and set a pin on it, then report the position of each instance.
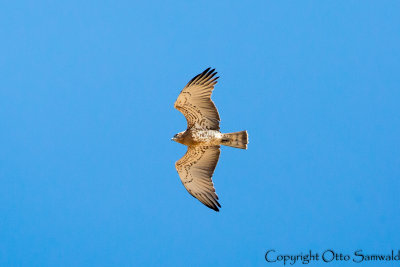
(195, 102)
(195, 169)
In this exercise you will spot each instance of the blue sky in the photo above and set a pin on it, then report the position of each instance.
(87, 173)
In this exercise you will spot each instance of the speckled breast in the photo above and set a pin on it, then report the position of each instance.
(204, 137)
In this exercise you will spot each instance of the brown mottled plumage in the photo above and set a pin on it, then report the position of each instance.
(203, 138)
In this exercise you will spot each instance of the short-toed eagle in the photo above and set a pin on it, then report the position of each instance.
(203, 138)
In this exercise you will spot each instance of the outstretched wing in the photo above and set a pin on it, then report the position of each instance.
(195, 101)
(195, 169)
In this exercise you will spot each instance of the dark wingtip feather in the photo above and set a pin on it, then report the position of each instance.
(214, 208)
(206, 70)
(192, 80)
(205, 77)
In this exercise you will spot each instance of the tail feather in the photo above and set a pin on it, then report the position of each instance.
(237, 139)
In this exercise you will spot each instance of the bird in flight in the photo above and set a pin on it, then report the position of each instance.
(203, 138)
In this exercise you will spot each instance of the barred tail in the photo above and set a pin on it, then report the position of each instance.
(237, 139)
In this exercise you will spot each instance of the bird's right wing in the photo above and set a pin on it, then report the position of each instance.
(195, 102)
(195, 169)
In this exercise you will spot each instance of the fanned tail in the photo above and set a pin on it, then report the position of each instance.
(237, 139)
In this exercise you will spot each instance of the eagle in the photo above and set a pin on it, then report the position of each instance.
(202, 138)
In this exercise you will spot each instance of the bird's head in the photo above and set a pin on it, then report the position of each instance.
(178, 137)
